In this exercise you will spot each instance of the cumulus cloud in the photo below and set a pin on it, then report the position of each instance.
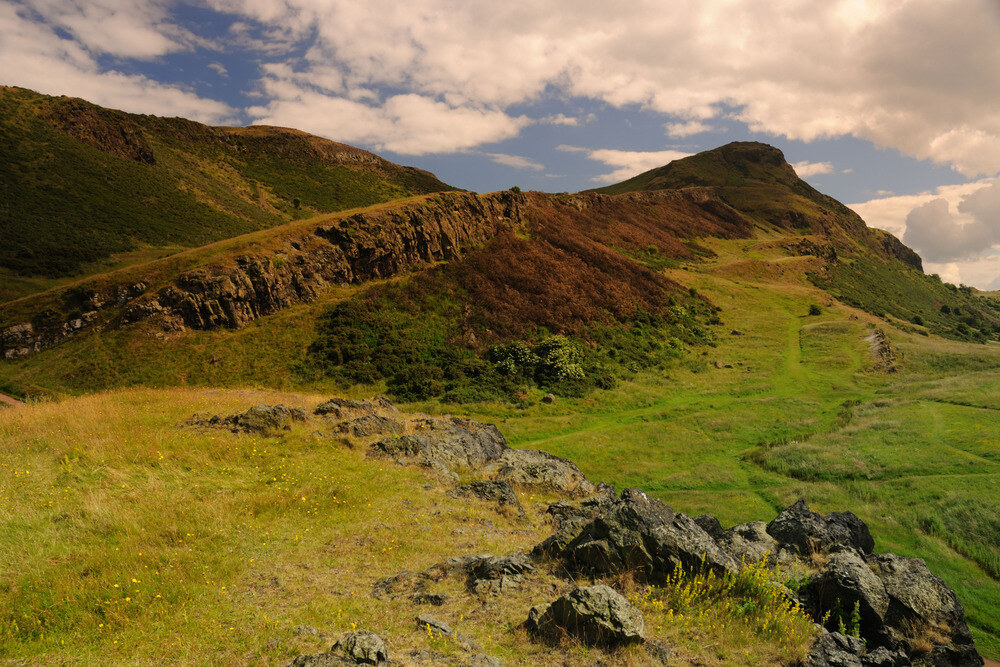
(888, 71)
(956, 228)
(407, 124)
(34, 56)
(516, 161)
(807, 169)
(626, 163)
(690, 128)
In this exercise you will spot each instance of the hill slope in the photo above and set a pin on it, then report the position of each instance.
(83, 183)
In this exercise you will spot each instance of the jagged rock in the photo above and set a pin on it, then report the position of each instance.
(363, 647)
(345, 408)
(321, 660)
(460, 444)
(538, 469)
(260, 418)
(749, 543)
(388, 587)
(493, 575)
(804, 531)
(901, 604)
(643, 535)
(433, 599)
(710, 525)
(456, 444)
(369, 425)
(500, 492)
(598, 615)
(836, 650)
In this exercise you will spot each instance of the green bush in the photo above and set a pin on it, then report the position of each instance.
(417, 383)
(815, 310)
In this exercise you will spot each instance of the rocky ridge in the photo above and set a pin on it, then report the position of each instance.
(903, 614)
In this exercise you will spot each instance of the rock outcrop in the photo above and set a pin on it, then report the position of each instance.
(639, 534)
(357, 648)
(233, 293)
(597, 615)
(263, 419)
(450, 446)
(805, 531)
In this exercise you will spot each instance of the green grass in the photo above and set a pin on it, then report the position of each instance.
(69, 206)
(129, 538)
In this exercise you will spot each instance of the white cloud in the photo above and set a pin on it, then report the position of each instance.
(690, 128)
(407, 124)
(516, 161)
(626, 163)
(954, 228)
(908, 74)
(33, 56)
(807, 169)
(219, 69)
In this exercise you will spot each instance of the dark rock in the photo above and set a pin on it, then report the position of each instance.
(500, 492)
(342, 408)
(643, 535)
(902, 606)
(710, 525)
(389, 586)
(433, 599)
(537, 469)
(493, 575)
(369, 425)
(363, 647)
(261, 418)
(749, 543)
(807, 532)
(598, 615)
(836, 650)
(457, 444)
(321, 660)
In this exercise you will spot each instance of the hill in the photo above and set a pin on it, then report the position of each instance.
(88, 188)
(729, 344)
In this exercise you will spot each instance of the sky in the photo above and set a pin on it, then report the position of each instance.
(891, 106)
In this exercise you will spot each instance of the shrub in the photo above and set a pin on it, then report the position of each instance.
(417, 383)
(919, 321)
(814, 309)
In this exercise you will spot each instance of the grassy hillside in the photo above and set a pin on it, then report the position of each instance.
(127, 537)
(86, 187)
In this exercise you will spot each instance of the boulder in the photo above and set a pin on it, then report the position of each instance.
(369, 425)
(749, 543)
(806, 532)
(710, 525)
(540, 470)
(641, 534)
(457, 444)
(902, 607)
(836, 650)
(263, 419)
(493, 575)
(597, 615)
(363, 647)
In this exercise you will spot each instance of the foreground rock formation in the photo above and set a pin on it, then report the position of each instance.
(895, 611)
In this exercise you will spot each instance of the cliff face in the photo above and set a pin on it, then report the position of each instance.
(234, 292)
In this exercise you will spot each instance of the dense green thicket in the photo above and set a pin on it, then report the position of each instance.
(417, 338)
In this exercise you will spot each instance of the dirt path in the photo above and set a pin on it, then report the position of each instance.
(12, 402)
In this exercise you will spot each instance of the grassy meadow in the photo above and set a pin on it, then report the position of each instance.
(124, 538)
